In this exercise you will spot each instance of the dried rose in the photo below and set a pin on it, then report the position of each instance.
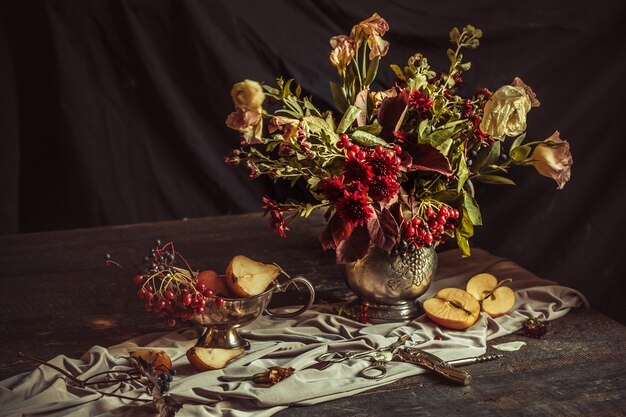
(343, 51)
(288, 126)
(535, 328)
(371, 29)
(552, 159)
(505, 112)
(372, 26)
(273, 376)
(534, 102)
(247, 95)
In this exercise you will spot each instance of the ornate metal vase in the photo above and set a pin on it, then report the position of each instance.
(388, 286)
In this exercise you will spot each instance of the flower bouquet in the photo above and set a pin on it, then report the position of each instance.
(396, 169)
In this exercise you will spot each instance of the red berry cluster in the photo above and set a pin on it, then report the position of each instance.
(169, 291)
(431, 227)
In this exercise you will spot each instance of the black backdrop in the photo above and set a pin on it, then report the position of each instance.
(113, 112)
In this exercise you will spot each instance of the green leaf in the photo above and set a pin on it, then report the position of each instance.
(288, 112)
(313, 181)
(367, 139)
(518, 141)
(398, 71)
(374, 129)
(465, 66)
(486, 156)
(298, 90)
(451, 56)
(463, 173)
(463, 244)
(307, 210)
(464, 231)
(372, 69)
(473, 211)
(422, 130)
(339, 97)
(493, 179)
(449, 197)
(416, 81)
(348, 118)
(520, 153)
(439, 136)
(287, 88)
(455, 35)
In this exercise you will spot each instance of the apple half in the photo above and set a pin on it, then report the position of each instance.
(247, 278)
(494, 298)
(452, 308)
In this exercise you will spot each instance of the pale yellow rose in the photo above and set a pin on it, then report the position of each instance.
(248, 95)
(288, 126)
(505, 112)
(342, 53)
(247, 122)
(552, 159)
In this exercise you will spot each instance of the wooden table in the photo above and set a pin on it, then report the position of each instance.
(57, 297)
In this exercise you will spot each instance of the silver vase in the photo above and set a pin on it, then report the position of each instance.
(388, 286)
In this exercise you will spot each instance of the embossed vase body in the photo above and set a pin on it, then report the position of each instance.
(389, 285)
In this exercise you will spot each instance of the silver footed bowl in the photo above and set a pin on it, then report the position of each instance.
(222, 322)
(390, 285)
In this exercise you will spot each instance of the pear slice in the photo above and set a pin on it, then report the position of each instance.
(208, 359)
(452, 308)
(247, 278)
(495, 299)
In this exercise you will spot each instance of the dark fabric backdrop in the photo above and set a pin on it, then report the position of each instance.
(113, 112)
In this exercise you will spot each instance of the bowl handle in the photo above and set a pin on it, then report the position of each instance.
(283, 287)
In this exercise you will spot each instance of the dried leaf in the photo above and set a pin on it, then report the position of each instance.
(355, 247)
(335, 232)
(383, 230)
(427, 158)
(391, 112)
(509, 346)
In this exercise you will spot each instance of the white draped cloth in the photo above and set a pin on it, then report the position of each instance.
(293, 342)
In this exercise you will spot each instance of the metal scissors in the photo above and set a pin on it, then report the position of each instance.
(379, 357)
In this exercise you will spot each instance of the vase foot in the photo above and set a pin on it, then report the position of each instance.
(388, 313)
(222, 338)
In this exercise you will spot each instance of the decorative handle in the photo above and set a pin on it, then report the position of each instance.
(283, 287)
(439, 366)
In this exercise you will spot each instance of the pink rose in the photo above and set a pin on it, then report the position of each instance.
(553, 159)
(248, 122)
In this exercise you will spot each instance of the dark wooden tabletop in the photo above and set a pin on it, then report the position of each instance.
(58, 297)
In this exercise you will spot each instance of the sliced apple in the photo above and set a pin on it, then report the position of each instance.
(160, 360)
(452, 308)
(495, 299)
(208, 359)
(215, 283)
(247, 278)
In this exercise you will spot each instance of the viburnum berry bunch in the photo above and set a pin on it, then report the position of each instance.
(172, 291)
(397, 169)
